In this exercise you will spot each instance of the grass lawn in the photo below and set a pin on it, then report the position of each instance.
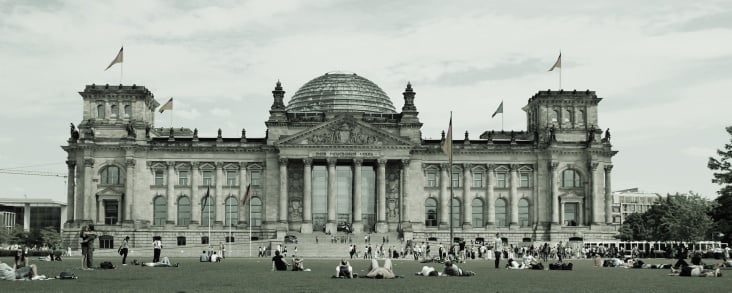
(254, 275)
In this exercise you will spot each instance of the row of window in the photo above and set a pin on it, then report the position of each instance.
(208, 177)
(570, 179)
(107, 241)
(501, 211)
(208, 212)
(114, 111)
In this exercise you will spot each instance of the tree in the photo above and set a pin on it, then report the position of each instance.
(722, 168)
(679, 217)
(50, 237)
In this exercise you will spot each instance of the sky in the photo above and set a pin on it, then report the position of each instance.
(662, 68)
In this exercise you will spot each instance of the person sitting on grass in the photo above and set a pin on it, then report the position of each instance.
(514, 265)
(278, 262)
(29, 272)
(377, 272)
(428, 272)
(215, 257)
(165, 263)
(696, 271)
(453, 270)
(203, 257)
(298, 265)
(344, 270)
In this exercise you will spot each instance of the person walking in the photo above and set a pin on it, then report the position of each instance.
(498, 249)
(124, 249)
(157, 247)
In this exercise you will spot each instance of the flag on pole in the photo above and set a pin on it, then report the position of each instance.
(167, 106)
(447, 144)
(246, 195)
(557, 64)
(205, 199)
(499, 110)
(117, 59)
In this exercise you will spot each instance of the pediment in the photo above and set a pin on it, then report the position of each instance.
(344, 130)
(111, 191)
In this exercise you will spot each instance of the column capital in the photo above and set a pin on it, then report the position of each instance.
(219, 164)
(444, 166)
(490, 167)
(405, 162)
(88, 162)
(195, 165)
(131, 162)
(331, 161)
(593, 166)
(307, 161)
(71, 163)
(242, 165)
(608, 168)
(358, 162)
(514, 167)
(169, 164)
(553, 165)
(283, 161)
(381, 161)
(467, 166)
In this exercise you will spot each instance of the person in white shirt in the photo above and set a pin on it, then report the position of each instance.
(157, 247)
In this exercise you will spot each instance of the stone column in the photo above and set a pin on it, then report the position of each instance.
(357, 213)
(491, 197)
(553, 169)
(331, 224)
(596, 196)
(283, 191)
(513, 195)
(171, 193)
(406, 195)
(195, 195)
(444, 196)
(88, 202)
(381, 226)
(608, 196)
(307, 209)
(129, 200)
(26, 217)
(71, 184)
(243, 191)
(467, 199)
(219, 197)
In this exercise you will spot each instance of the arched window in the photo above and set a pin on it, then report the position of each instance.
(430, 212)
(113, 112)
(160, 211)
(571, 178)
(523, 212)
(184, 211)
(501, 214)
(255, 212)
(477, 212)
(111, 175)
(208, 214)
(456, 215)
(232, 211)
(100, 111)
(127, 112)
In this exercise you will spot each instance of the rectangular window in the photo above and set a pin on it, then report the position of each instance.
(181, 241)
(207, 178)
(524, 180)
(229, 239)
(500, 180)
(111, 214)
(570, 214)
(231, 178)
(478, 180)
(256, 178)
(431, 179)
(455, 179)
(159, 177)
(183, 178)
(204, 240)
(616, 209)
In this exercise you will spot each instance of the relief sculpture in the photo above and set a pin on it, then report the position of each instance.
(344, 133)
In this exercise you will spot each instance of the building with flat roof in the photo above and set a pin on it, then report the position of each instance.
(32, 213)
(631, 201)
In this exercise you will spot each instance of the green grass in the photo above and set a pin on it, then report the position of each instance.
(254, 275)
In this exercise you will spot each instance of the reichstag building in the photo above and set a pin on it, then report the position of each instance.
(337, 153)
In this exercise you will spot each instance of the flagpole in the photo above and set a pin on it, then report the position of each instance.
(250, 230)
(501, 115)
(449, 169)
(560, 71)
(230, 221)
(121, 69)
(209, 217)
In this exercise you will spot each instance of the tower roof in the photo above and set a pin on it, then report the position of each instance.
(340, 92)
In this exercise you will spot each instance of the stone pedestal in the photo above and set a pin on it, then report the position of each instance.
(357, 228)
(331, 227)
(306, 228)
(382, 227)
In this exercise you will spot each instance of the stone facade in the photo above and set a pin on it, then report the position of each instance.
(316, 171)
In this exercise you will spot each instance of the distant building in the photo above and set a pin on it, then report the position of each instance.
(33, 214)
(631, 201)
(338, 154)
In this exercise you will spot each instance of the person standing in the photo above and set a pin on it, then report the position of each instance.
(88, 237)
(124, 249)
(498, 249)
(157, 247)
(222, 249)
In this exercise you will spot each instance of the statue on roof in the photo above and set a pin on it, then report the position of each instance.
(130, 130)
(195, 132)
(147, 131)
(607, 135)
(74, 133)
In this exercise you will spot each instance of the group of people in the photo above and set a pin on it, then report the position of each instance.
(21, 270)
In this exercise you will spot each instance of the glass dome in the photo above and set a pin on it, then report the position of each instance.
(340, 92)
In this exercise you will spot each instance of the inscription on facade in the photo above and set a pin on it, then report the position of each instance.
(345, 154)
